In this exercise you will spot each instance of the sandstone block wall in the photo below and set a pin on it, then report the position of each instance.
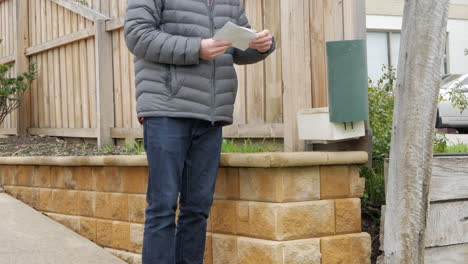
(283, 215)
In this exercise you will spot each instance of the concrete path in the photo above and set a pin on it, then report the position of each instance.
(27, 236)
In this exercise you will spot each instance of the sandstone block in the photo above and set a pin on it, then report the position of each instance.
(208, 224)
(88, 228)
(121, 235)
(306, 219)
(87, 203)
(42, 177)
(136, 237)
(349, 249)
(130, 258)
(224, 249)
(223, 216)
(340, 182)
(257, 251)
(243, 250)
(70, 221)
(103, 205)
(134, 179)
(227, 184)
(136, 208)
(348, 215)
(104, 232)
(358, 185)
(83, 178)
(59, 202)
(119, 206)
(279, 184)
(9, 190)
(45, 200)
(108, 179)
(7, 175)
(62, 177)
(69, 205)
(27, 195)
(275, 221)
(208, 258)
(24, 175)
(304, 251)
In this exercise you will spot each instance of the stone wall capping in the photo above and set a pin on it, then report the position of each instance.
(246, 160)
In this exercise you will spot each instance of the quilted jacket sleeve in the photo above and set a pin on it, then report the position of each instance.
(145, 39)
(249, 56)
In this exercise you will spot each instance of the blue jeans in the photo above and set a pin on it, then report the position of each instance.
(183, 158)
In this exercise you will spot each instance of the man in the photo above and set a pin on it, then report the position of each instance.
(185, 90)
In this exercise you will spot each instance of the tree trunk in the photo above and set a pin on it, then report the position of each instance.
(416, 96)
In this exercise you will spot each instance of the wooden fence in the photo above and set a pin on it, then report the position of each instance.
(84, 67)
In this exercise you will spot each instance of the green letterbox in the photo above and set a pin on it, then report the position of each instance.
(347, 81)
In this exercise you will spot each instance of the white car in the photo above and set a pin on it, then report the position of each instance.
(447, 115)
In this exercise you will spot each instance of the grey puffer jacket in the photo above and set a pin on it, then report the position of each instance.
(171, 80)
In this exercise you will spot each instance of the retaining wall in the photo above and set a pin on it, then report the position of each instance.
(271, 208)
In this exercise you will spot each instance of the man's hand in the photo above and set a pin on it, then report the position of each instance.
(263, 41)
(210, 48)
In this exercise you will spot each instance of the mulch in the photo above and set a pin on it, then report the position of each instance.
(20, 146)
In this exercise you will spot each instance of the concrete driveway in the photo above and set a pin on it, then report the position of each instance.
(27, 236)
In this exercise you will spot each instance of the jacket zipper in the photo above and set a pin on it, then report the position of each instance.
(213, 93)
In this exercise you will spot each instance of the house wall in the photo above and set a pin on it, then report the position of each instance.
(387, 15)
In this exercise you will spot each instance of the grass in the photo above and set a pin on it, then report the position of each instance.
(229, 146)
(134, 146)
(248, 146)
(442, 145)
(457, 148)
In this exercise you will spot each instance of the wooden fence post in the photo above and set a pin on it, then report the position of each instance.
(22, 63)
(423, 41)
(104, 84)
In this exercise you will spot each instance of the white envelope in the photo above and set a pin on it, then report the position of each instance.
(240, 36)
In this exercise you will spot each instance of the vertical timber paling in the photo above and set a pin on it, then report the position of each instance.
(22, 63)
(104, 81)
(296, 77)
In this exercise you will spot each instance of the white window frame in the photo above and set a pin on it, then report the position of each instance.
(389, 45)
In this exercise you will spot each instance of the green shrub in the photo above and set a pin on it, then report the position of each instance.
(440, 143)
(381, 103)
(375, 182)
(13, 88)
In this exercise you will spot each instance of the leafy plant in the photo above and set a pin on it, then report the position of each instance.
(375, 182)
(83, 2)
(440, 143)
(134, 146)
(13, 88)
(107, 149)
(457, 96)
(381, 103)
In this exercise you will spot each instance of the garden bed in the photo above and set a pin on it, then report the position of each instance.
(55, 146)
(26, 146)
